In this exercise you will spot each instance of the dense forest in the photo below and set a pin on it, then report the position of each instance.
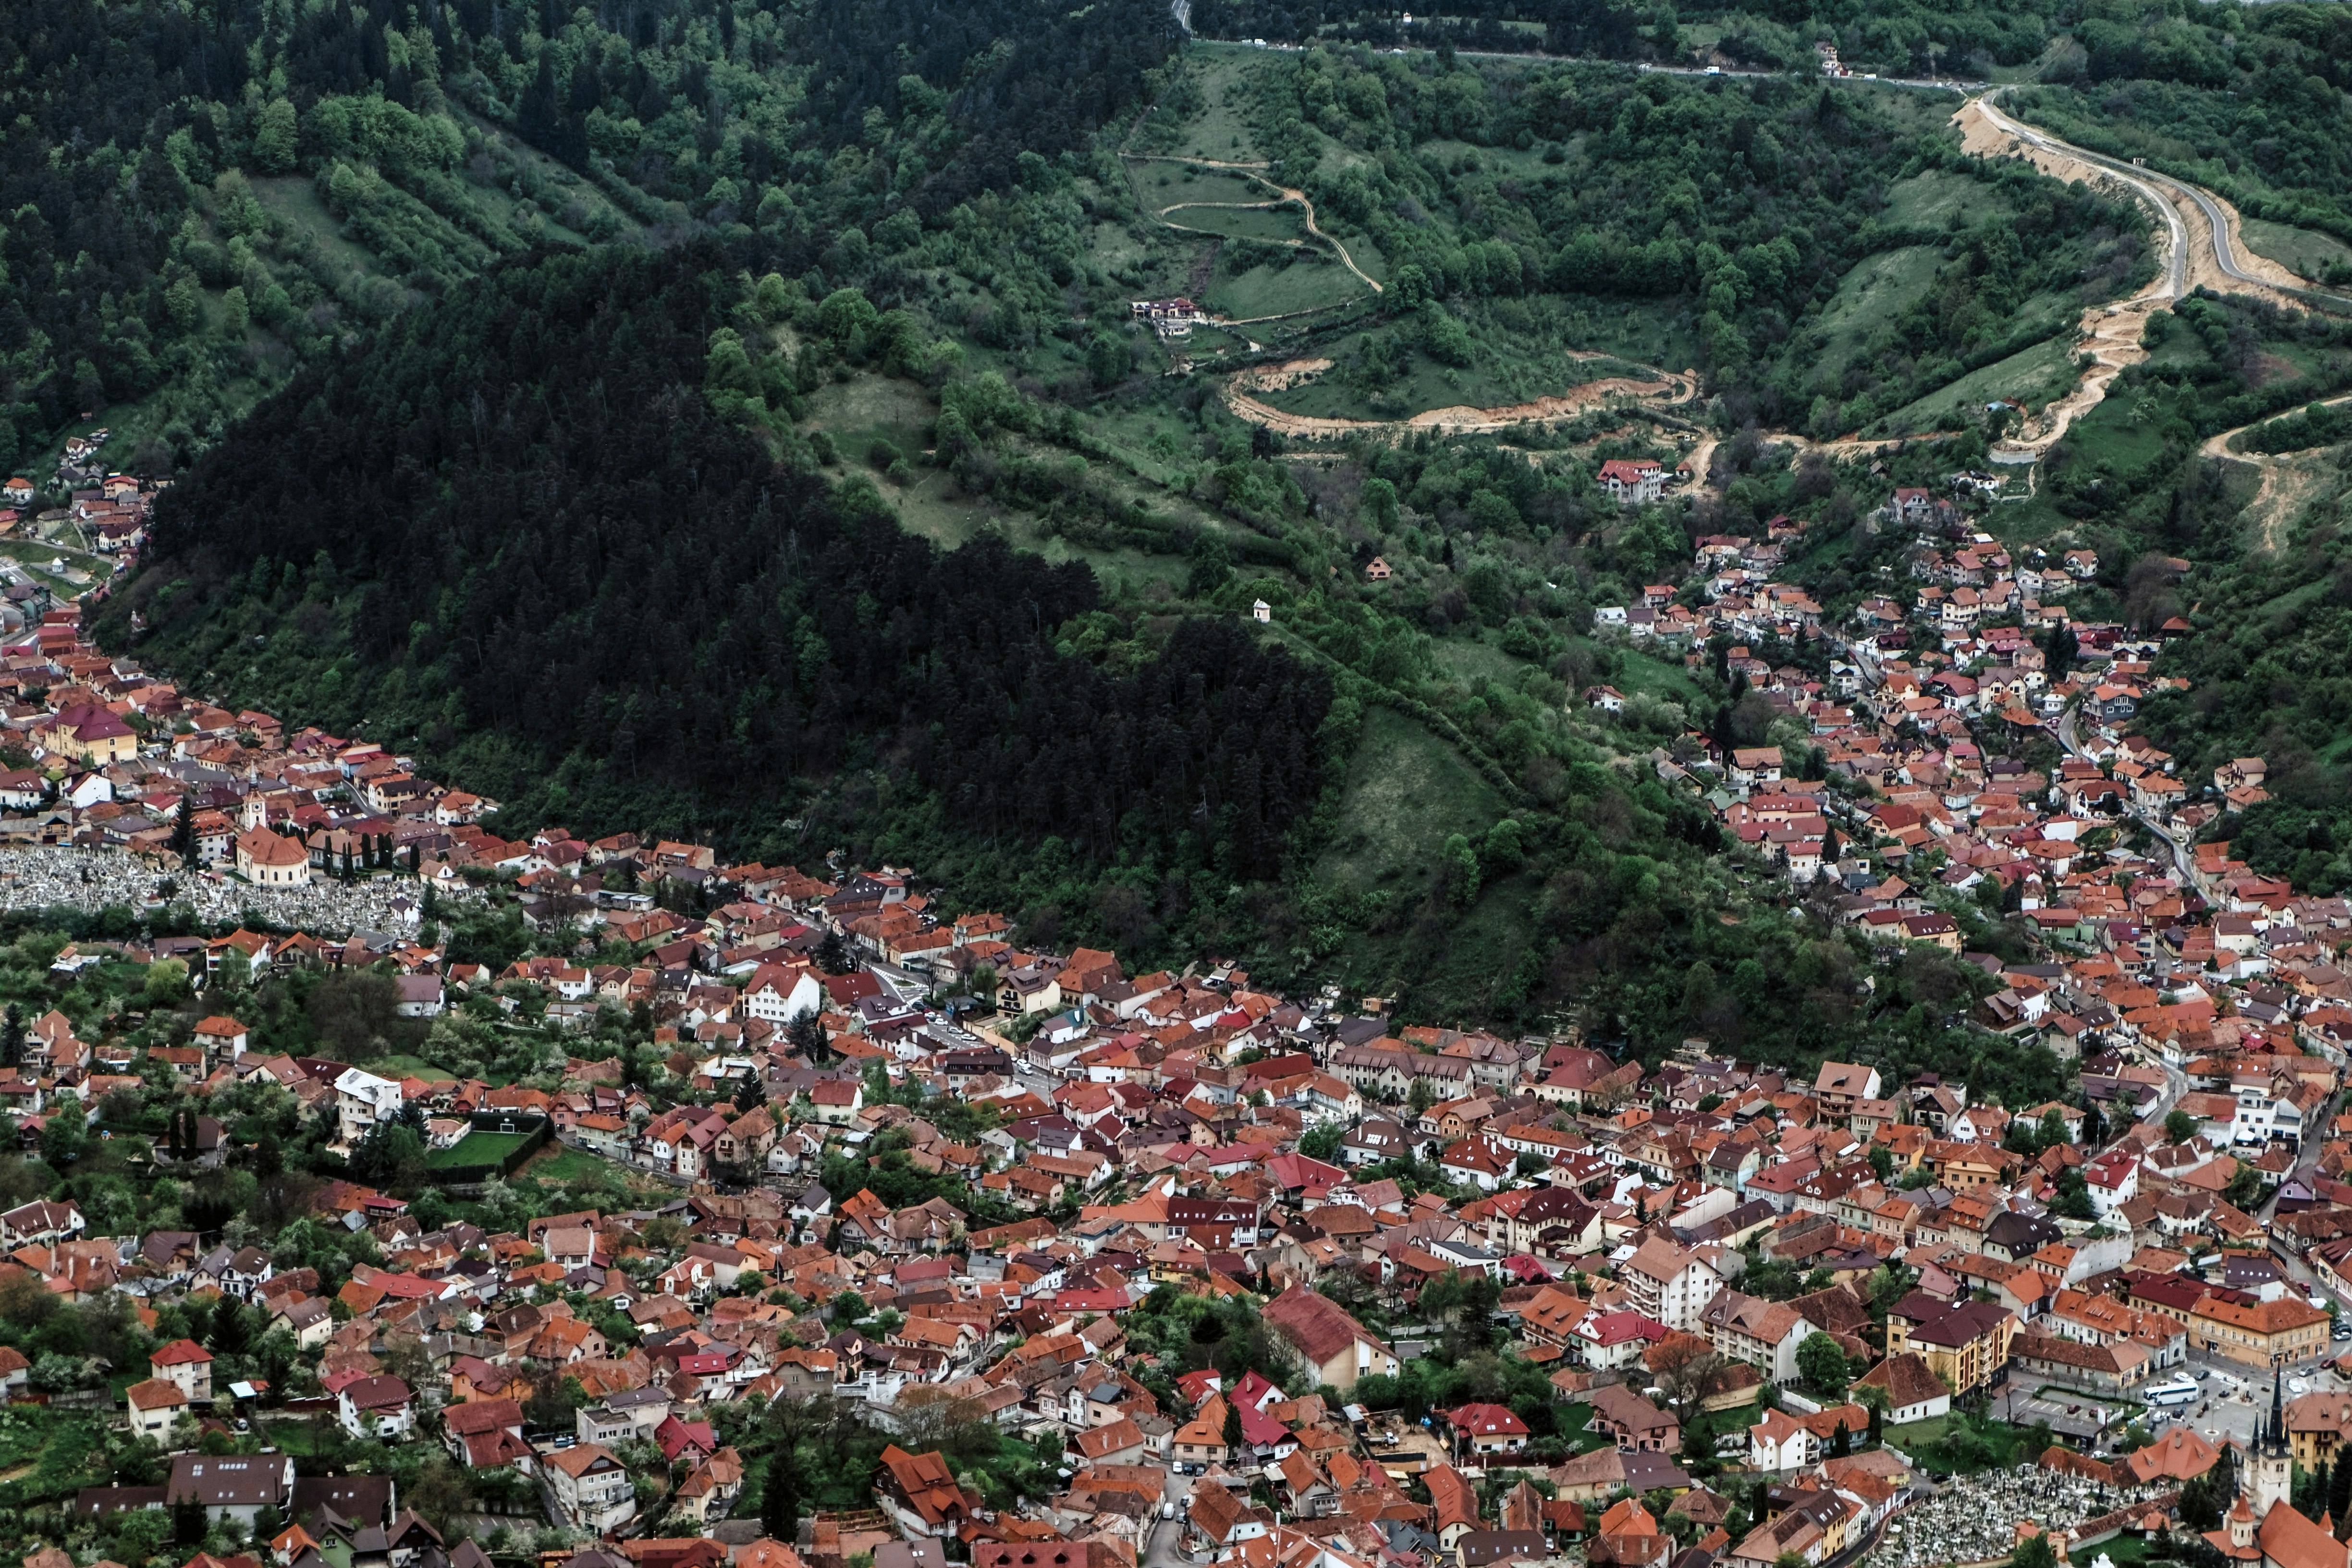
(563, 572)
(162, 244)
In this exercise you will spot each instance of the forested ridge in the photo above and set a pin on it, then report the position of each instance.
(142, 270)
(516, 532)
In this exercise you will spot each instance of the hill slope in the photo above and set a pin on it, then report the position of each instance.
(201, 199)
(566, 574)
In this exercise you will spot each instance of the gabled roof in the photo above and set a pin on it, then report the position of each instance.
(1317, 1325)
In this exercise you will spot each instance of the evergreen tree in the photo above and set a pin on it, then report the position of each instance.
(780, 1506)
(229, 1326)
(1233, 1433)
(184, 832)
(807, 1032)
(12, 1037)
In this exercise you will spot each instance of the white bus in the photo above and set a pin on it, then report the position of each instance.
(2172, 1391)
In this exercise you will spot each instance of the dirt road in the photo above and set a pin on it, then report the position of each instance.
(2288, 479)
(1289, 197)
(1665, 391)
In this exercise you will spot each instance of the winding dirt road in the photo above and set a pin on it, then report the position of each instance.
(1290, 197)
(2203, 248)
(1667, 390)
(2288, 479)
(2109, 334)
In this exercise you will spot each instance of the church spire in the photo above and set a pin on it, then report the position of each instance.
(2278, 1416)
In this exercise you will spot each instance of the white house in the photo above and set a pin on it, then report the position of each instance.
(2113, 1179)
(380, 1408)
(1673, 1284)
(592, 1487)
(362, 1099)
(1914, 1392)
(1778, 1443)
(777, 994)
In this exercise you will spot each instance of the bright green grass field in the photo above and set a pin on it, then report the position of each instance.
(1240, 223)
(1280, 290)
(1872, 294)
(476, 1149)
(1165, 184)
(1407, 790)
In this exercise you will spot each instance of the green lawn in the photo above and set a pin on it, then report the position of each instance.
(1961, 1443)
(1645, 675)
(1305, 285)
(1575, 1424)
(2306, 252)
(559, 1166)
(2032, 376)
(1240, 223)
(1163, 184)
(2124, 1550)
(476, 1149)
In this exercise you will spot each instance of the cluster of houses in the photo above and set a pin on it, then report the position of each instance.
(1192, 1130)
(1630, 1221)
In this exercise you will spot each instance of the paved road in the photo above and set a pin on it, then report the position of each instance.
(1928, 84)
(2143, 179)
(1160, 1543)
(2184, 858)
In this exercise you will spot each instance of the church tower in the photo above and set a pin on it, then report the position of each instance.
(2274, 1467)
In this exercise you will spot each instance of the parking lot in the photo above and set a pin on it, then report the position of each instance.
(2076, 1416)
(2233, 1397)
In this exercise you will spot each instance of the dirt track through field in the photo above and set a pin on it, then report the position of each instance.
(2109, 334)
(1290, 197)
